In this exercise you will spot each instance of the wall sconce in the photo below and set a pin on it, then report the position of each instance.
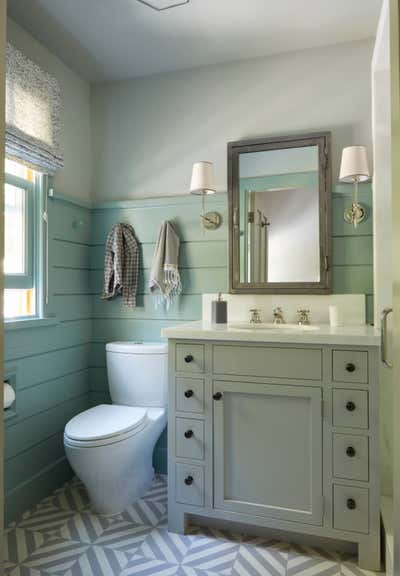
(354, 168)
(202, 184)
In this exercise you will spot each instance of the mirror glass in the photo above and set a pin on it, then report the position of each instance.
(279, 210)
(279, 215)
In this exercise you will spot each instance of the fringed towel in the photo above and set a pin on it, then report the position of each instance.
(121, 264)
(165, 281)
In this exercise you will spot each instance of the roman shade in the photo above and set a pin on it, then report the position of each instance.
(33, 114)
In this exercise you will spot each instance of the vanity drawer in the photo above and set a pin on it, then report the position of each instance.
(189, 395)
(350, 457)
(279, 363)
(189, 358)
(350, 408)
(350, 366)
(189, 484)
(189, 438)
(350, 508)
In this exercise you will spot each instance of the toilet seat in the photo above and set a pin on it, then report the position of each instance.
(105, 424)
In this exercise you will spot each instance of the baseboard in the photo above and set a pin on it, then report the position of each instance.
(29, 493)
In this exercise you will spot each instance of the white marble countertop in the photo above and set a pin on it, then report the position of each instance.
(351, 335)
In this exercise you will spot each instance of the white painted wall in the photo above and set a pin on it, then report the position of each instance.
(293, 234)
(75, 179)
(147, 132)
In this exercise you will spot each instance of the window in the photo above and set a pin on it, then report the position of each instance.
(22, 241)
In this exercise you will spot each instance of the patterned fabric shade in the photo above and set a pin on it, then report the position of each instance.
(33, 114)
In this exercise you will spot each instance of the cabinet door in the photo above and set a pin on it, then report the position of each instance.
(268, 450)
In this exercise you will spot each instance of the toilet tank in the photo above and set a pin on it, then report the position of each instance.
(138, 373)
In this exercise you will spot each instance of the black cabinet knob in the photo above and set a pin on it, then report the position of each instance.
(350, 406)
(350, 367)
(351, 504)
(217, 396)
(189, 480)
(188, 393)
(188, 359)
(189, 434)
(350, 451)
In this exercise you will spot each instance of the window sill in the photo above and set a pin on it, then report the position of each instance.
(27, 323)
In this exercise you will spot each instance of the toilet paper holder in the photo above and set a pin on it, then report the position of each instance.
(9, 395)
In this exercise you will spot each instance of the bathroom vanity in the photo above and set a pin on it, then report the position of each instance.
(276, 429)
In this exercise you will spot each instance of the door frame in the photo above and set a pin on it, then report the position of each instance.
(3, 24)
(395, 136)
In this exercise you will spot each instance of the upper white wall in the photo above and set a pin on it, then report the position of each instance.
(75, 179)
(147, 132)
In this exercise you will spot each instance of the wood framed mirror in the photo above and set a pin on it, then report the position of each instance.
(279, 192)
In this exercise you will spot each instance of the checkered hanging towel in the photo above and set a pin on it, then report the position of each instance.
(121, 264)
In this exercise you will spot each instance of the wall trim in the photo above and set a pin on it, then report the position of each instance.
(160, 201)
(86, 204)
(339, 190)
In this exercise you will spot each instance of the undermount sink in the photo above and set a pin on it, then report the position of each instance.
(270, 326)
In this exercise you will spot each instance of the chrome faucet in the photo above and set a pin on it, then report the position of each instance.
(303, 317)
(278, 316)
(255, 317)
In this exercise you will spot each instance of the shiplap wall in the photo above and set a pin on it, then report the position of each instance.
(50, 365)
(60, 369)
(203, 265)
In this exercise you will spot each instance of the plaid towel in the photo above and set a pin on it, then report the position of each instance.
(121, 264)
(165, 281)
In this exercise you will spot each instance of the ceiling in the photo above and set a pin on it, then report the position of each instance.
(107, 40)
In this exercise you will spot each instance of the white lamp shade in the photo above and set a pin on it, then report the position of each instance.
(202, 178)
(354, 164)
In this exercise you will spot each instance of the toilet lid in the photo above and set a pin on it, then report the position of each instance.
(105, 421)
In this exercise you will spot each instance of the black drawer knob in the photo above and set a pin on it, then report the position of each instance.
(188, 393)
(189, 480)
(217, 396)
(350, 367)
(188, 359)
(351, 504)
(350, 451)
(189, 434)
(350, 406)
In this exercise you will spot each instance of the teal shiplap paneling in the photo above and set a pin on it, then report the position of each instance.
(61, 369)
(203, 264)
(51, 367)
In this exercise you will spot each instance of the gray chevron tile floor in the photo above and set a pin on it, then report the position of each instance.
(62, 537)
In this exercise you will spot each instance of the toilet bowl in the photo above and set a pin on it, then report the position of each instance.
(110, 446)
(116, 465)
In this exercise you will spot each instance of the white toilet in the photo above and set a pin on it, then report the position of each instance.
(110, 447)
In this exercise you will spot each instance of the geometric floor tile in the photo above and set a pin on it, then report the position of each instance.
(19, 544)
(56, 556)
(145, 512)
(141, 566)
(212, 555)
(125, 536)
(307, 561)
(97, 561)
(45, 519)
(257, 560)
(72, 496)
(63, 537)
(166, 546)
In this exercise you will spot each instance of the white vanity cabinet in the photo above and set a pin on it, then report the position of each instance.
(279, 436)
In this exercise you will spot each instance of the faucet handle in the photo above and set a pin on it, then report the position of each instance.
(255, 317)
(303, 316)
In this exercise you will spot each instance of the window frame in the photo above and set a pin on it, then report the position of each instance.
(24, 280)
(33, 277)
